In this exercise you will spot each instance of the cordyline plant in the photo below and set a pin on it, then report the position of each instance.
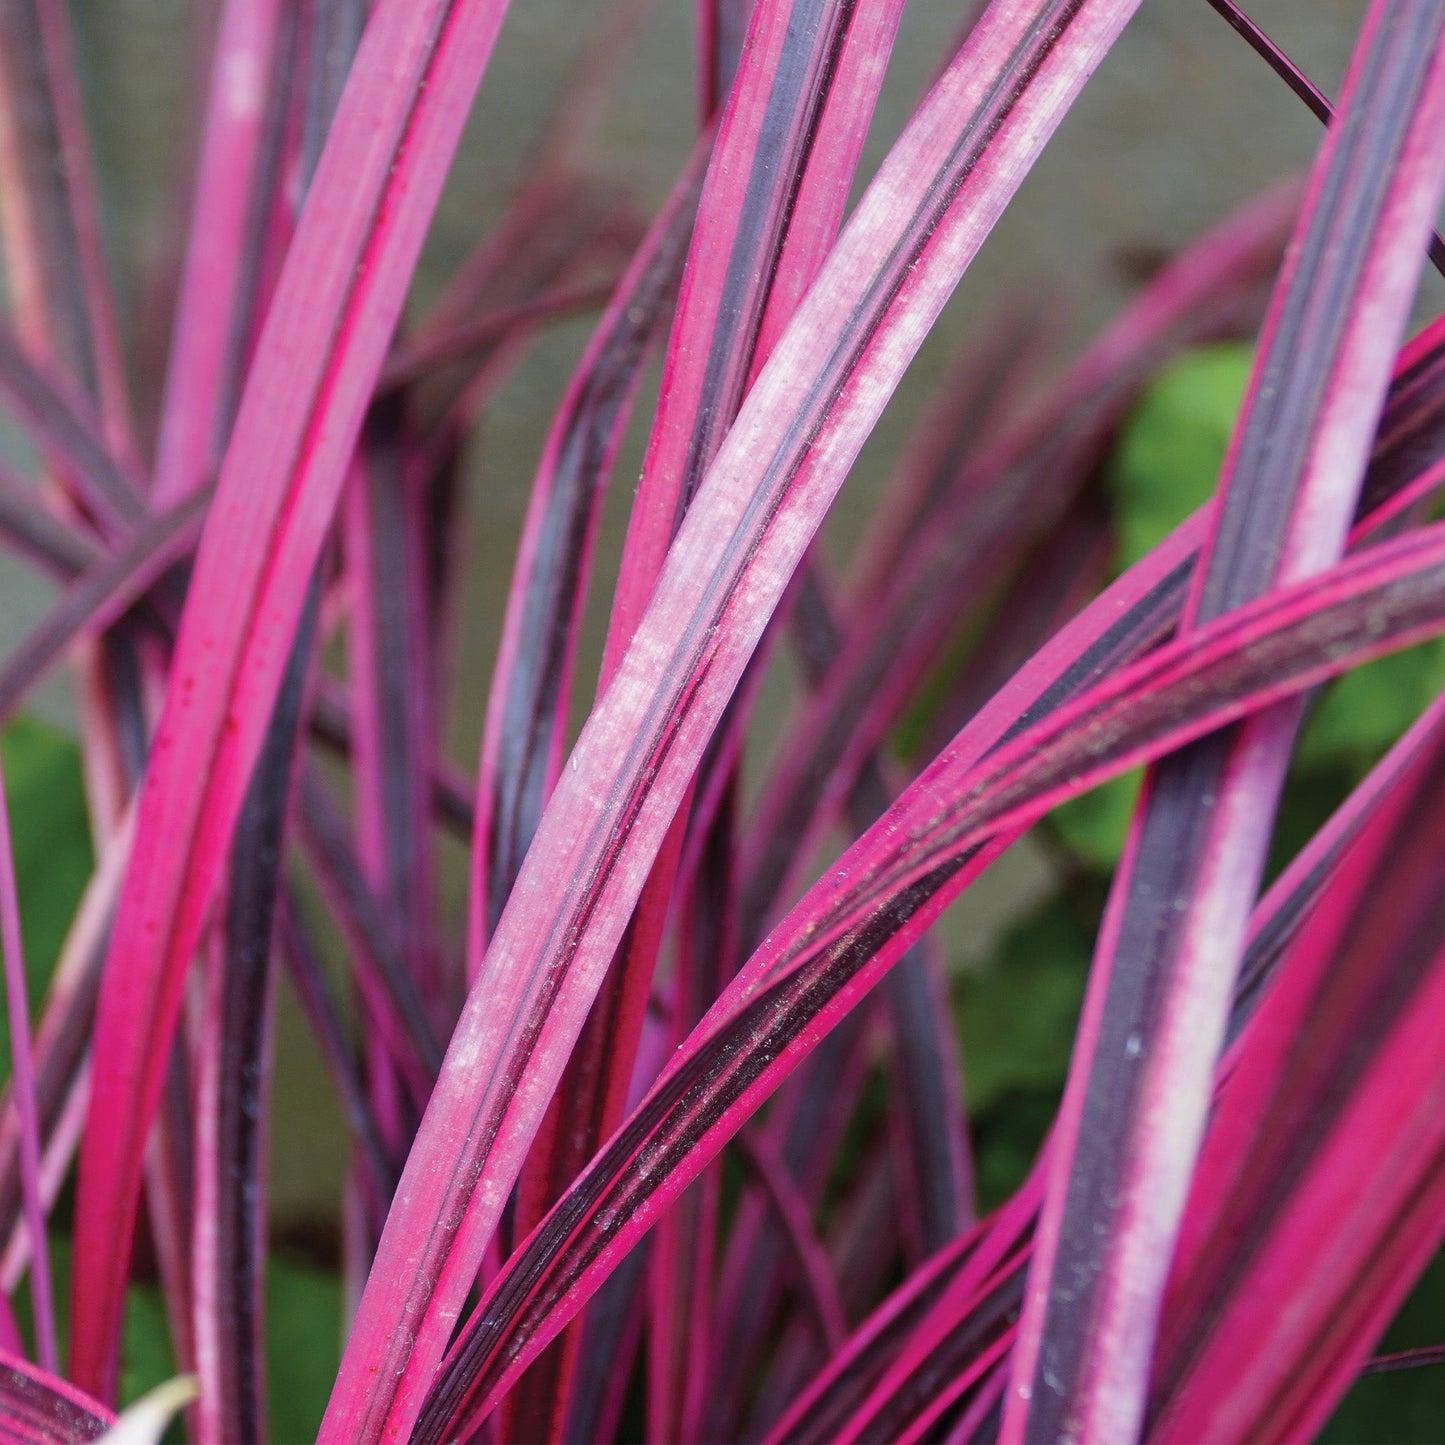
(250, 531)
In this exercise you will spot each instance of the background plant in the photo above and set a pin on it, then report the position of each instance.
(636, 1145)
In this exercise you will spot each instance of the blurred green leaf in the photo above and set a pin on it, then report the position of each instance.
(1095, 824)
(1016, 1017)
(51, 832)
(303, 1346)
(1359, 716)
(1169, 454)
(146, 1358)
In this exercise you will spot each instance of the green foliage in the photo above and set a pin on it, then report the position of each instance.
(303, 1346)
(1094, 824)
(1407, 1406)
(51, 833)
(1168, 457)
(1016, 1018)
(1361, 714)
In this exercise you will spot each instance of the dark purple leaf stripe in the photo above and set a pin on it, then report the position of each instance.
(849, 929)
(1158, 1000)
(802, 424)
(101, 593)
(391, 702)
(940, 1189)
(67, 433)
(787, 148)
(527, 703)
(1004, 502)
(233, 1094)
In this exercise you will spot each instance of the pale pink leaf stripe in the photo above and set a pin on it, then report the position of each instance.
(324, 341)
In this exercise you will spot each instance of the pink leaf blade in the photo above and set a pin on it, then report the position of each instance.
(768, 147)
(207, 329)
(1345, 1176)
(1158, 998)
(921, 222)
(319, 354)
(522, 737)
(998, 506)
(39, 1408)
(864, 914)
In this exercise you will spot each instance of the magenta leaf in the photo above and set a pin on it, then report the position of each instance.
(899, 257)
(38, 1408)
(1159, 991)
(317, 359)
(229, 1245)
(866, 911)
(1336, 1201)
(999, 503)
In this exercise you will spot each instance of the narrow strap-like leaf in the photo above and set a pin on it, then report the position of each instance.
(867, 910)
(721, 27)
(781, 170)
(212, 317)
(394, 1002)
(819, 1288)
(67, 432)
(100, 594)
(948, 1348)
(229, 1244)
(62, 1039)
(52, 226)
(38, 1408)
(393, 725)
(323, 1014)
(319, 354)
(527, 704)
(917, 227)
(999, 507)
(939, 1172)
(1337, 1203)
(808, 1123)
(1158, 999)
(36, 533)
